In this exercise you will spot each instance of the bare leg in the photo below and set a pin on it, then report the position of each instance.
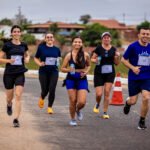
(73, 101)
(18, 94)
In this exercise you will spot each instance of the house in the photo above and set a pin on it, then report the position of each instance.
(127, 33)
(5, 31)
(64, 28)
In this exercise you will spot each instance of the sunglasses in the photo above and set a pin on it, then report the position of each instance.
(49, 37)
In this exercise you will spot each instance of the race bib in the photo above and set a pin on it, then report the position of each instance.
(50, 61)
(144, 60)
(106, 69)
(18, 59)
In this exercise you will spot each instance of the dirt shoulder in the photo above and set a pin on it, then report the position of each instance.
(24, 138)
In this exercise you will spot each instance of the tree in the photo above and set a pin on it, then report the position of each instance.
(85, 18)
(143, 24)
(29, 39)
(6, 21)
(92, 35)
(54, 28)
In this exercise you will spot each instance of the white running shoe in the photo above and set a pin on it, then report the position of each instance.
(73, 123)
(80, 115)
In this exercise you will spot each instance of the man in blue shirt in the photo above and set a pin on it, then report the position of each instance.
(137, 59)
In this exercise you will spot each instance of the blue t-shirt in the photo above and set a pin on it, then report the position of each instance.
(138, 55)
(48, 55)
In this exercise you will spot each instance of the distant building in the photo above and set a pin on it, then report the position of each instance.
(127, 33)
(5, 30)
(65, 29)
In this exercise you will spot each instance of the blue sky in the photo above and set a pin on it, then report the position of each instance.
(128, 11)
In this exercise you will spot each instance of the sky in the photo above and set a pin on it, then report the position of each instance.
(39, 11)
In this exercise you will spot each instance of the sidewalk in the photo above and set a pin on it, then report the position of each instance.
(62, 75)
(24, 138)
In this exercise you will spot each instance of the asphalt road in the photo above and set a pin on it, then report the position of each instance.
(93, 133)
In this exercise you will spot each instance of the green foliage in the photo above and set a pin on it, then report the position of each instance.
(1, 44)
(92, 35)
(32, 65)
(85, 18)
(6, 21)
(143, 24)
(54, 28)
(29, 39)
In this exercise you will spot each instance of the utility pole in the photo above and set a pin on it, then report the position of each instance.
(124, 17)
(145, 16)
(19, 15)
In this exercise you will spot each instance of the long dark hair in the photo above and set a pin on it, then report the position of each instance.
(9, 39)
(15, 26)
(80, 60)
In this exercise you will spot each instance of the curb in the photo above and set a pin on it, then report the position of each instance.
(63, 75)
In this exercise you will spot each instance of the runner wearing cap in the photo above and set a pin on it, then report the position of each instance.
(104, 56)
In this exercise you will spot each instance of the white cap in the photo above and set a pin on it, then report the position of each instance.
(105, 33)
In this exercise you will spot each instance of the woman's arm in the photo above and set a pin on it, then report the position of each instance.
(117, 58)
(39, 62)
(64, 67)
(26, 57)
(4, 60)
(94, 58)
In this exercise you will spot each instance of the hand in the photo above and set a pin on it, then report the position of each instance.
(26, 59)
(97, 60)
(42, 64)
(11, 61)
(83, 74)
(71, 69)
(136, 70)
(117, 53)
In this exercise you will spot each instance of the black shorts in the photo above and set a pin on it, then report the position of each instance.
(11, 80)
(101, 79)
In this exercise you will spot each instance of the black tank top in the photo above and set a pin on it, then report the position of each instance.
(71, 61)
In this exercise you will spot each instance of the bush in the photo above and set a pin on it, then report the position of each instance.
(29, 39)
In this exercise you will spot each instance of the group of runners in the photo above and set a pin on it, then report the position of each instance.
(77, 65)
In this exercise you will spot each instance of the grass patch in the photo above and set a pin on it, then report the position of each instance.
(120, 68)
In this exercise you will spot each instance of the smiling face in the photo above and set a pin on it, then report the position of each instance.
(106, 40)
(144, 36)
(16, 33)
(49, 39)
(77, 43)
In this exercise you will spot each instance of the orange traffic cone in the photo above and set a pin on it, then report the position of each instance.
(117, 97)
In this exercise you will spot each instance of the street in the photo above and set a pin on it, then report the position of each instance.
(42, 131)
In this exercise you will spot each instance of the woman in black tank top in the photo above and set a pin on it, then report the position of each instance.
(77, 65)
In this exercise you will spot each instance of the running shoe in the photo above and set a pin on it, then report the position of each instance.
(79, 115)
(50, 110)
(73, 123)
(141, 125)
(127, 107)
(105, 116)
(9, 109)
(96, 109)
(41, 102)
(16, 123)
